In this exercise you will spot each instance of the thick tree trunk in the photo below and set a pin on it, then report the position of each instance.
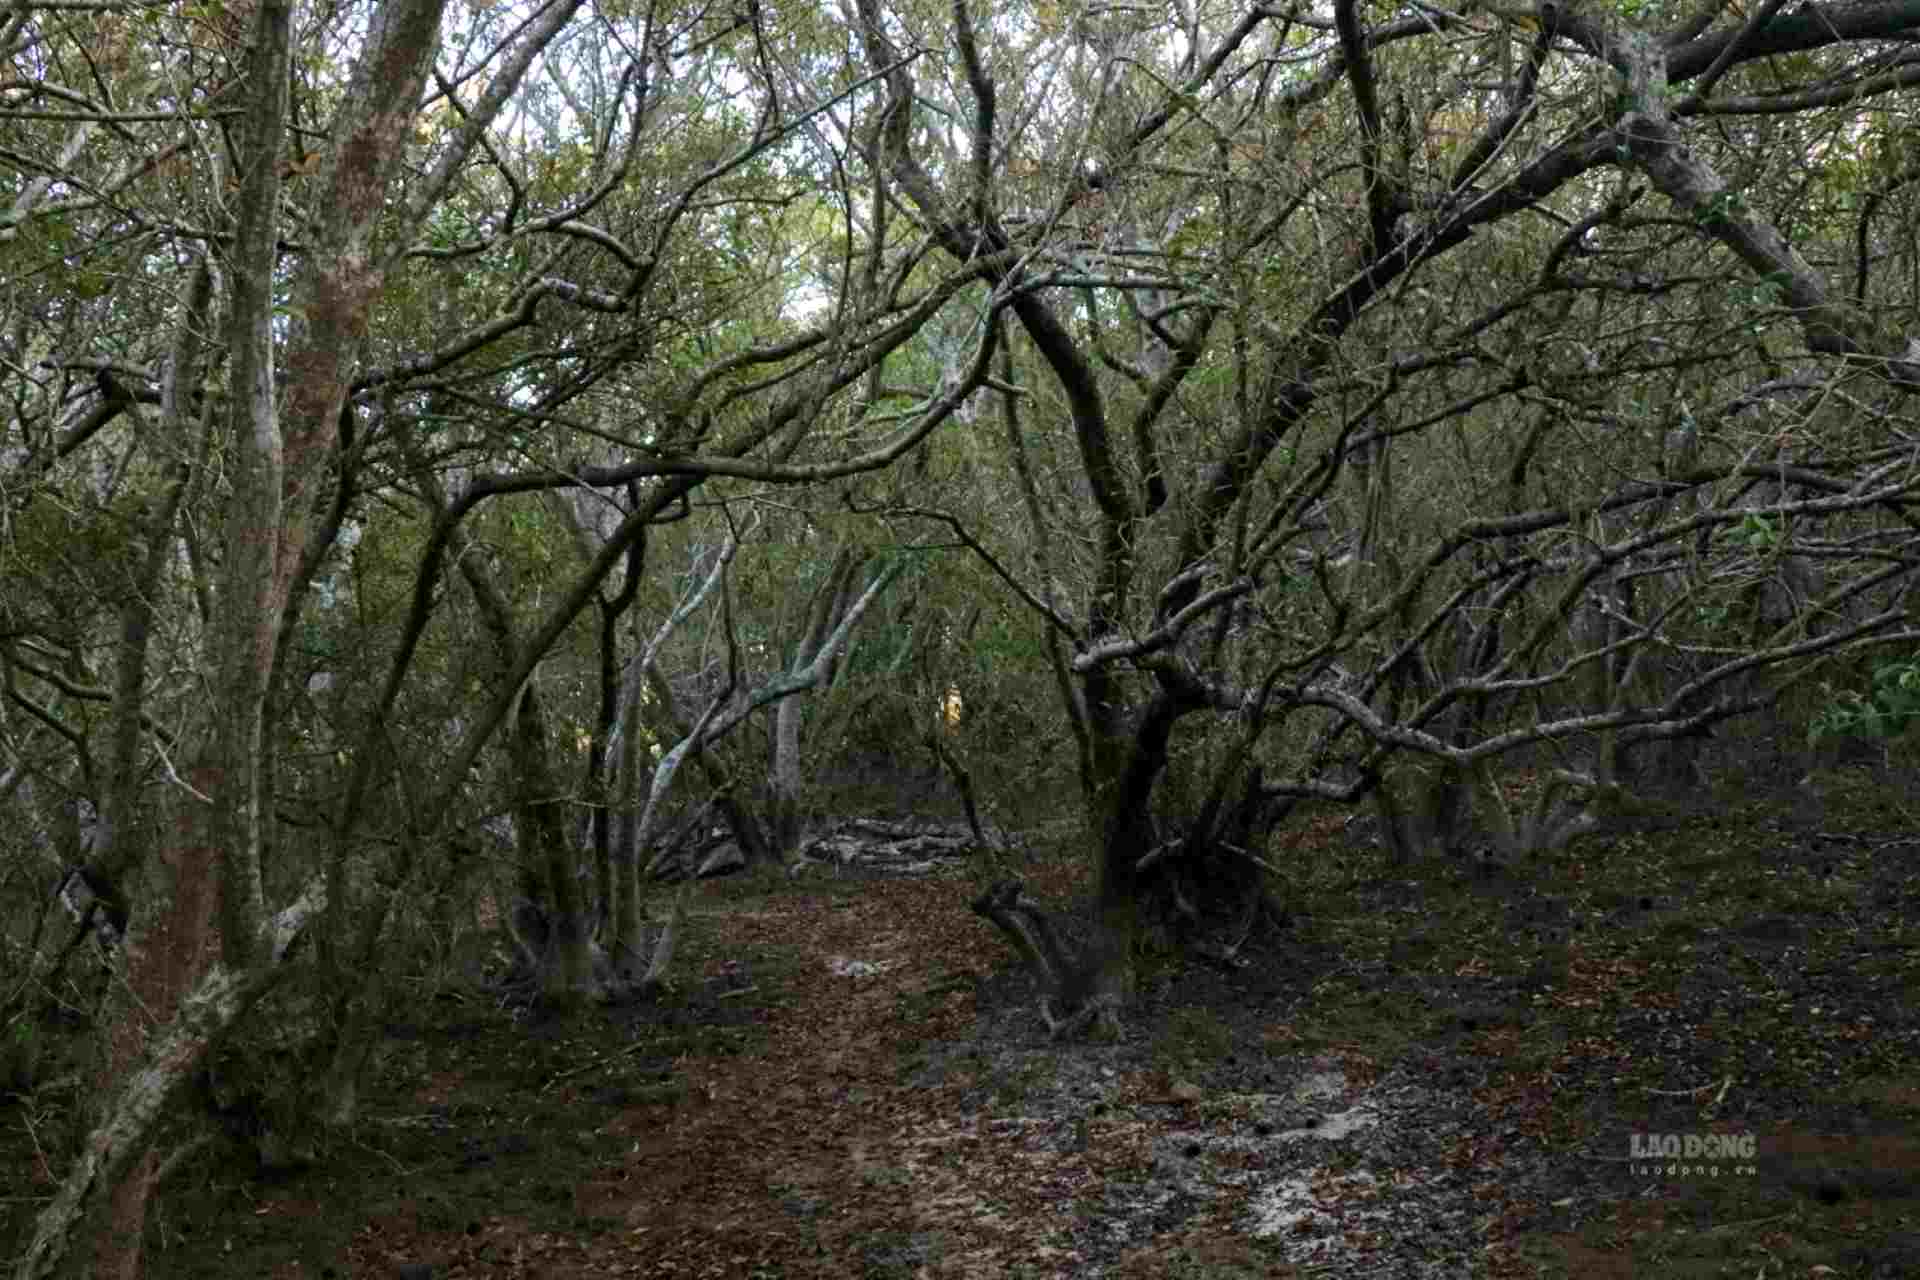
(184, 983)
(550, 923)
(1142, 863)
(208, 865)
(545, 853)
(93, 1226)
(1128, 757)
(165, 948)
(1078, 990)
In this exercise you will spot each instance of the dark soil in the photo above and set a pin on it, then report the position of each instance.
(1434, 1070)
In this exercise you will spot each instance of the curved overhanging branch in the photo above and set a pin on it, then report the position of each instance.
(681, 475)
(804, 676)
(1028, 596)
(476, 121)
(1831, 325)
(1847, 94)
(1809, 27)
(1760, 17)
(1112, 648)
(1298, 361)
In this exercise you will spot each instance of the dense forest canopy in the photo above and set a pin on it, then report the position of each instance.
(452, 441)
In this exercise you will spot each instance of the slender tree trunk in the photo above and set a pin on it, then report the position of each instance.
(937, 739)
(829, 606)
(623, 932)
(597, 791)
(784, 777)
(625, 935)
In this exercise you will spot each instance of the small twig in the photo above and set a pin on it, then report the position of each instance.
(174, 774)
(1743, 1226)
(744, 991)
(180, 1155)
(1156, 853)
(1255, 859)
(388, 1156)
(627, 1052)
(33, 1136)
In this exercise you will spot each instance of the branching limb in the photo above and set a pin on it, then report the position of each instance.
(1074, 994)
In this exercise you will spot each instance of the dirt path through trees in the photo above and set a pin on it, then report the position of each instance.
(1432, 1071)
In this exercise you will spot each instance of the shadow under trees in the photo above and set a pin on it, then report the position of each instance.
(1379, 404)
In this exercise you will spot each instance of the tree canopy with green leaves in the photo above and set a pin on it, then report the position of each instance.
(1336, 401)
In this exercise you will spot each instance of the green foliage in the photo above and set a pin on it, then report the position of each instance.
(20, 1051)
(1769, 290)
(1886, 710)
(65, 559)
(1721, 207)
(1757, 533)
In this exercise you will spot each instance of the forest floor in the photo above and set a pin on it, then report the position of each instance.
(1435, 1070)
